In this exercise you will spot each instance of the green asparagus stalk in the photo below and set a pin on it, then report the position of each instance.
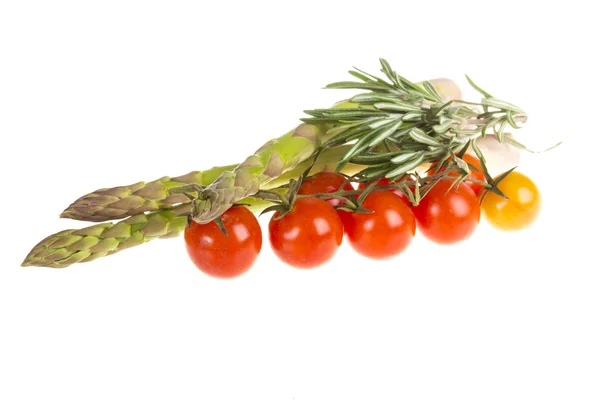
(81, 245)
(123, 201)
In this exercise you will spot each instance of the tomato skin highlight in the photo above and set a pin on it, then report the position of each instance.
(521, 208)
(448, 218)
(474, 161)
(386, 182)
(386, 231)
(223, 256)
(307, 236)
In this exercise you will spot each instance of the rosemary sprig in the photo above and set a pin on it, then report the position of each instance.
(400, 125)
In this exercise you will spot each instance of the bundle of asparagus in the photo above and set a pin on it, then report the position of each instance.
(396, 127)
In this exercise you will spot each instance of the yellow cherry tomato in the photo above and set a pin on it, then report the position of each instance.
(519, 210)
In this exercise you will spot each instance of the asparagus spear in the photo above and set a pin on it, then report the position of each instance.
(81, 245)
(72, 246)
(123, 201)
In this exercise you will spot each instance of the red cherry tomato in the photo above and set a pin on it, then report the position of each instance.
(223, 256)
(447, 218)
(386, 182)
(326, 182)
(307, 236)
(386, 231)
(473, 161)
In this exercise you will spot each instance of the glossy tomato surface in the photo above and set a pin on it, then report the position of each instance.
(447, 218)
(307, 236)
(222, 256)
(521, 208)
(386, 231)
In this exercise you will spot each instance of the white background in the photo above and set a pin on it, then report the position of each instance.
(97, 94)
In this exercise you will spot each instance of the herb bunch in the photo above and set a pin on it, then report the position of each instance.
(398, 126)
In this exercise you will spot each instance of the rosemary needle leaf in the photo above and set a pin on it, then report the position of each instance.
(399, 159)
(358, 147)
(429, 87)
(363, 77)
(375, 78)
(336, 130)
(501, 104)
(346, 136)
(406, 167)
(387, 70)
(355, 85)
(375, 171)
(501, 129)
(491, 122)
(441, 128)
(474, 86)
(370, 98)
(397, 106)
(412, 116)
(373, 159)
(386, 132)
(419, 136)
(435, 109)
(511, 120)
